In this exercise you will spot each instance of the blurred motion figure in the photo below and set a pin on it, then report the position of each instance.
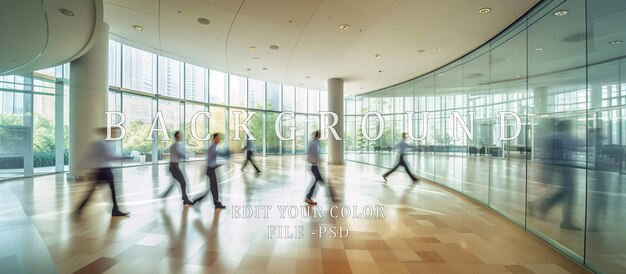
(177, 153)
(97, 163)
(402, 147)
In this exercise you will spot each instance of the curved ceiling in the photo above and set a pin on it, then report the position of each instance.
(37, 35)
(312, 46)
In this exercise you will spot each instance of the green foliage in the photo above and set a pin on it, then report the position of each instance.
(135, 139)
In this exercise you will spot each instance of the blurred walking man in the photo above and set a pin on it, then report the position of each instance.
(249, 148)
(177, 153)
(402, 149)
(98, 159)
(211, 166)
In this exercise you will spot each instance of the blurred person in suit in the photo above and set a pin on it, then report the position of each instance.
(211, 166)
(177, 154)
(402, 147)
(249, 148)
(313, 158)
(97, 163)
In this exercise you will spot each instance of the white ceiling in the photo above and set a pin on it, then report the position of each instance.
(36, 35)
(310, 40)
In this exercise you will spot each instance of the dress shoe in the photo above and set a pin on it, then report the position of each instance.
(309, 201)
(220, 206)
(117, 213)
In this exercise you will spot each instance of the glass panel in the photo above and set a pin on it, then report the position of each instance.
(139, 113)
(273, 97)
(169, 77)
(218, 120)
(323, 101)
(13, 135)
(301, 134)
(43, 134)
(115, 64)
(217, 87)
(301, 97)
(171, 112)
(508, 158)
(238, 91)
(557, 199)
(606, 141)
(256, 94)
(194, 146)
(195, 83)
(476, 165)
(138, 68)
(256, 127)
(314, 100)
(288, 100)
(272, 143)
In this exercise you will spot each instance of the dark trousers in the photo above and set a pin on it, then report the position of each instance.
(318, 178)
(102, 175)
(401, 162)
(178, 175)
(210, 172)
(564, 195)
(249, 159)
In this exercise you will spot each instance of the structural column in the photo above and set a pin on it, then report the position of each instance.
(88, 97)
(335, 105)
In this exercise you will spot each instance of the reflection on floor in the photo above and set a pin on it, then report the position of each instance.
(423, 229)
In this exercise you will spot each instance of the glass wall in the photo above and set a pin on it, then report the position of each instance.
(544, 105)
(33, 123)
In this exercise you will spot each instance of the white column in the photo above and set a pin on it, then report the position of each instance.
(335, 104)
(88, 97)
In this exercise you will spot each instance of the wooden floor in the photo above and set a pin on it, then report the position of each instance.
(425, 228)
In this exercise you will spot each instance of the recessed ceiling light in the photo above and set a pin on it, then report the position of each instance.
(307, 77)
(515, 53)
(439, 74)
(203, 21)
(380, 71)
(615, 42)
(255, 58)
(300, 84)
(180, 12)
(437, 49)
(248, 69)
(484, 10)
(517, 76)
(138, 27)
(273, 47)
(560, 13)
(66, 12)
(344, 26)
(420, 51)
(252, 48)
(538, 49)
(377, 55)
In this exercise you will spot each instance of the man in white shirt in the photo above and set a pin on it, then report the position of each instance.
(211, 166)
(249, 148)
(98, 160)
(177, 154)
(402, 149)
(313, 157)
